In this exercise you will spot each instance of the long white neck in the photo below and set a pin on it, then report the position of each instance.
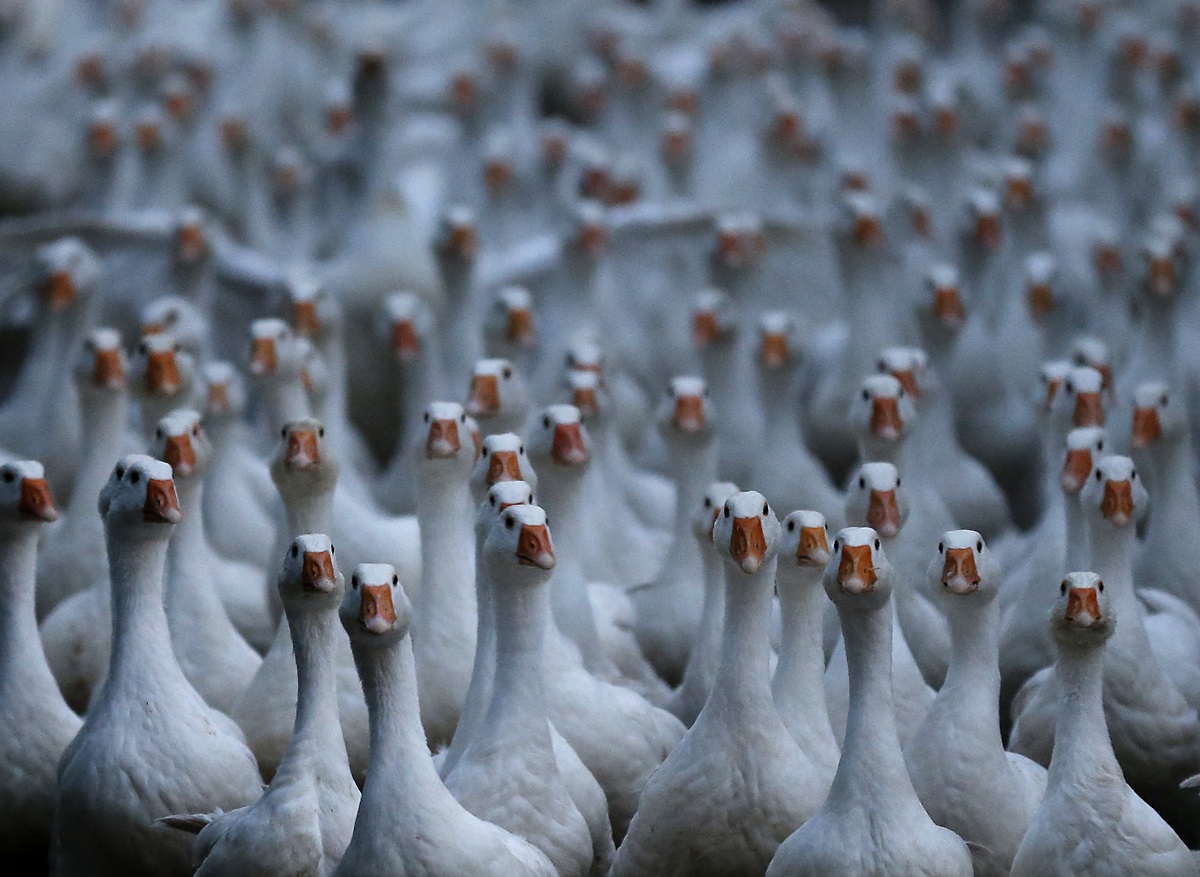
(778, 392)
(285, 400)
(1083, 749)
(693, 468)
(419, 384)
(518, 707)
(705, 656)
(971, 692)
(308, 513)
(445, 513)
(1078, 537)
(798, 686)
(1177, 503)
(873, 450)
(49, 359)
(105, 416)
(20, 644)
(192, 598)
(1112, 560)
(743, 677)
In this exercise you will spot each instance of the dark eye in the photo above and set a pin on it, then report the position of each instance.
(941, 547)
(766, 509)
(143, 349)
(395, 580)
(426, 416)
(1070, 387)
(1100, 445)
(507, 373)
(900, 394)
(979, 545)
(707, 502)
(862, 483)
(509, 522)
(1100, 585)
(283, 432)
(837, 545)
(1133, 475)
(1063, 588)
(196, 430)
(1163, 400)
(295, 551)
(492, 501)
(321, 432)
(727, 511)
(521, 450)
(881, 365)
(462, 418)
(483, 452)
(867, 395)
(546, 422)
(8, 476)
(134, 477)
(354, 582)
(876, 544)
(120, 473)
(158, 434)
(1098, 475)
(332, 549)
(897, 480)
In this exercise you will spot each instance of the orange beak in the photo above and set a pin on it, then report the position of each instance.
(948, 306)
(1146, 427)
(59, 290)
(1040, 299)
(376, 611)
(504, 466)
(148, 137)
(774, 350)
(885, 418)
(179, 106)
(484, 400)
(987, 231)
(705, 330)
(233, 134)
(405, 341)
(463, 242)
(305, 320)
(593, 239)
(568, 446)
(303, 452)
(1052, 386)
(218, 398)
(102, 139)
(162, 503)
(1089, 410)
(1076, 469)
(867, 230)
(908, 380)
(316, 573)
(534, 548)
(1117, 505)
(1162, 276)
(108, 372)
(190, 243)
(179, 454)
(584, 398)
(883, 513)
(689, 414)
(497, 175)
(959, 574)
(856, 572)
(921, 224)
(443, 442)
(263, 358)
(162, 374)
(1083, 606)
(338, 118)
(813, 550)
(1018, 193)
(36, 503)
(520, 329)
(1107, 259)
(747, 544)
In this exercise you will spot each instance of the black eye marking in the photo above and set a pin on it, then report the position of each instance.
(791, 526)
(509, 522)
(545, 422)
(766, 509)
(727, 511)
(1101, 586)
(295, 551)
(1063, 589)
(876, 544)
(862, 483)
(134, 477)
(979, 545)
(507, 373)
(867, 395)
(395, 580)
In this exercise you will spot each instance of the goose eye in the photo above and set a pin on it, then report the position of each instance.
(862, 483)
(1070, 387)
(8, 476)
(707, 503)
(426, 416)
(143, 349)
(1163, 400)
(1133, 475)
(158, 434)
(881, 366)
(462, 418)
(507, 373)
(354, 582)
(295, 551)
(727, 511)
(332, 548)
(837, 545)
(1098, 475)
(196, 430)
(120, 473)
(1063, 588)
(492, 501)
(1100, 586)
(876, 544)
(866, 394)
(134, 477)
(1100, 445)
(521, 450)
(941, 547)
(321, 432)
(483, 451)
(979, 545)
(545, 422)
(395, 580)
(900, 394)
(766, 509)
(791, 526)
(897, 480)
(508, 522)
(283, 432)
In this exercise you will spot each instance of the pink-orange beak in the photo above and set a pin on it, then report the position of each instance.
(36, 503)
(747, 544)
(1076, 469)
(179, 454)
(316, 572)
(484, 400)
(883, 513)
(162, 503)
(959, 573)
(813, 550)
(303, 451)
(162, 373)
(568, 446)
(1146, 427)
(534, 548)
(1089, 410)
(442, 442)
(1083, 606)
(689, 414)
(376, 611)
(1117, 504)
(885, 418)
(504, 466)
(856, 571)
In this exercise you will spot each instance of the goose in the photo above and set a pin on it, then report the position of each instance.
(510, 329)
(36, 725)
(445, 619)
(688, 699)
(162, 377)
(872, 808)
(408, 823)
(507, 774)
(498, 398)
(1153, 728)
(304, 819)
(212, 653)
(668, 609)
(1090, 821)
(456, 250)
(179, 317)
(738, 783)
(277, 359)
(798, 683)
(957, 754)
(146, 712)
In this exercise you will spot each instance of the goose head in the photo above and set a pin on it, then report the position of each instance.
(740, 243)
(1040, 277)
(676, 139)
(1019, 190)
(1155, 420)
(982, 227)
(685, 415)
(587, 393)
(103, 139)
(233, 132)
(1085, 446)
(557, 438)
(1162, 268)
(860, 225)
(805, 541)
(160, 369)
(375, 610)
(276, 352)
(310, 310)
(224, 390)
(964, 567)
(587, 232)
(518, 550)
(497, 392)
(139, 498)
(1087, 350)
(409, 324)
(584, 354)
(448, 444)
(1114, 494)
(712, 319)
(149, 131)
(501, 458)
(100, 366)
(68, 271)
(858, 576)
(309, 579)
(777, 347)
(24, 494)
(1080, 400)
(179, 318)
(190, 244)
(457, 239)
(944, 300)
(876, 499)
(1082, 615)
(500, 496)
(882, 412)
(907, 365)
(746, 533)
(180, 442)
(710, 507)
(1050, 380)
(303, 461)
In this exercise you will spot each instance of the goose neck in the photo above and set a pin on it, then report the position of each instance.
(801, 669)
(19, 639)
(317, 741)
(1157, 341)
(48, 357)
(1082, 746)
(871, 450)
(693, 468)
(973, 679)
(141, 641)
(743, 675)
(286, 400)
(1176, 496)
(1112, 560)
(519, 698)
(104, 418)
(308, 512)
(1077, 532)
(483, 671)
(778, 394)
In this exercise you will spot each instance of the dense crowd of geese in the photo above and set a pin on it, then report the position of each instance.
(483, 439)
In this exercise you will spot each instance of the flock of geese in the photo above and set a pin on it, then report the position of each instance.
(491, 439)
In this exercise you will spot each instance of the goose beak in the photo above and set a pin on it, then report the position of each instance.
(162, 503)
(179, 454)
(747, 544)
(584, 398)
(1083, 607)
(1162, 276)
(36, 503)
(534, 548)
(774, 352)
(959, 573)
(162, 373)
(908, 380)
(1117, 504)
(1039, 297)
(463, 242)
(1146, 427)
(883, 513)
(1076, 469)
(813, 550)
(593, 239)
(108, 371)
(316, 573)
(1052, 385)
(987, 231)
(484, 400)
(504, 466)
(568, 446)
(1089, 410)
(305, 320)
(59, 290)
(190, 245)
(102, 139)
(376, 611)
(443, 442)
(303, 452)
(856, 571)
(520, 329)
(867, 230)
(948, 307)
(217, 401)
(689, 414)
(263, 359)
(886, 423)
(705, 330)
(405, 341)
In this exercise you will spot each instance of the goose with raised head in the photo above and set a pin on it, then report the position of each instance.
(956, 760)
(162, 377)
(1091, 823)
(408, 823)
(497, 398)
(872, 808)
(798, 685)
(146, 713)
(215, 658)
(669, 607)
(508, 774)
(738, 783)
(277, 359)
(303, 822)
(36, 725)
(445, 619)
(688, 699)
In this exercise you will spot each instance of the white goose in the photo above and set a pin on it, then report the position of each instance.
(146, 713)
(958, 753)
(303, 822)
(1091, 823)
(162, 377)
(872, 809)
(738, 783)
(408, 823)
(35, 722)
(498, 398)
